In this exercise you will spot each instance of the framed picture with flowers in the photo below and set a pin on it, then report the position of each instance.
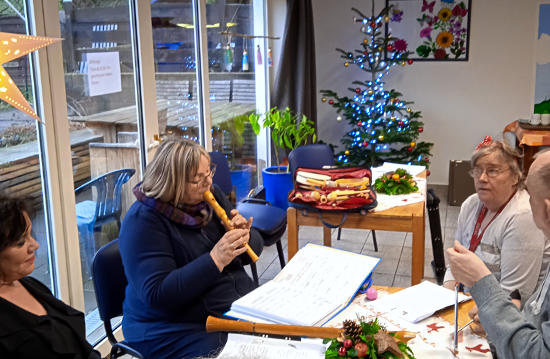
(542, 60)
(432, 30)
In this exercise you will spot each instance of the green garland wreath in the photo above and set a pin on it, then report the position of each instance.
(363, 343)
(398, 182)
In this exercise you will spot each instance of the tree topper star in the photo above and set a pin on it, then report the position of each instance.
(13, 46)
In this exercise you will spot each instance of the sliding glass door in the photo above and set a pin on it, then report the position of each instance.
(93, 94)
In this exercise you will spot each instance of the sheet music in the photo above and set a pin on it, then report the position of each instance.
(417, 302)
(241, 346)
(311, 288)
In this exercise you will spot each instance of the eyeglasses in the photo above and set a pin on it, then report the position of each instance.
(477, 172)
(203, 180)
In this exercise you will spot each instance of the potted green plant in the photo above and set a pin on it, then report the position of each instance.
(235, 128)
(288, 131)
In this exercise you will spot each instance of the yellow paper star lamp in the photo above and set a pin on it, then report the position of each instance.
(13, 46)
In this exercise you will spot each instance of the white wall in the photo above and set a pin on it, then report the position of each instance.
(461, 102)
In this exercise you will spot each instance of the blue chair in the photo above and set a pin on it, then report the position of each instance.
(316, 156)
(269, 221)
(100, 208)
(110, 285)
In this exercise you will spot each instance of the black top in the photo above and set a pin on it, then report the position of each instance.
(59, 334)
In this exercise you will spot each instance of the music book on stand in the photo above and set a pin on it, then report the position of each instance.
(313, 287)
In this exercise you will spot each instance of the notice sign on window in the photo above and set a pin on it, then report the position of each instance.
(103, 73)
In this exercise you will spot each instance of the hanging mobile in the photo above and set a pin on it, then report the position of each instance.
(228, 58)
(259, 55)
(269, 58)
(245, 58)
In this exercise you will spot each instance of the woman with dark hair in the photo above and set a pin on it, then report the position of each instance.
(35, 324)
(181, 263)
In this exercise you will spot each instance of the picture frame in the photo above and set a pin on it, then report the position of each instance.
(542, 60)
(435, 30)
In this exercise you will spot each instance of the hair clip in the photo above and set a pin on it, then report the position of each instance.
(486, 142)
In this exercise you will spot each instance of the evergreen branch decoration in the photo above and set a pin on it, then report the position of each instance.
(383, 126)
(367, 340)
(398, 182)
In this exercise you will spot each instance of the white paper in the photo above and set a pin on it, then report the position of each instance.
(103, 73)
(386, 201)
(417, 302)
(241, 346)
(317, 283)
(414, 170)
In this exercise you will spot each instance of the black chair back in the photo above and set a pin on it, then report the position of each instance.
(222, 177)
(110, 286)
(310, 156)
(109, 283)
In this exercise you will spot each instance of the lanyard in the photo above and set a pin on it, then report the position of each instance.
(476, 236)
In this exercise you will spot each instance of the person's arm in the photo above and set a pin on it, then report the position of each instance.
(449, 281)
(506, 327)
(521, 255)
(147, 253)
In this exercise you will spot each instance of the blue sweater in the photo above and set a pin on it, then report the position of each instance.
(173, 283)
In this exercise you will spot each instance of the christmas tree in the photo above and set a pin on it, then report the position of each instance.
(384, 128)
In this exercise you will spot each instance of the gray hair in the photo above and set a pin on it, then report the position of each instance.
(543, 173)
(175, 163)
(510, 155)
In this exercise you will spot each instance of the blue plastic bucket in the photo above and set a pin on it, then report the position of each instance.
(240, 178)
(277, 186)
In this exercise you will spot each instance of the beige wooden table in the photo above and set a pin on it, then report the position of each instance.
(409, 218)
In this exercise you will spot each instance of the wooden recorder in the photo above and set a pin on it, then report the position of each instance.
(220, 212)
(214, 324)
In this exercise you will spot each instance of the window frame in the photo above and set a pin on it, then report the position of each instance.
(54, 134)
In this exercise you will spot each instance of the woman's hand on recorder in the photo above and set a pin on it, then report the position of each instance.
(238, 221)
(229, 246)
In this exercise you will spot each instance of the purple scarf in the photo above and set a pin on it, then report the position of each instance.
(194, 216)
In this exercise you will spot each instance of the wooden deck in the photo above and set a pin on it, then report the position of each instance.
(172, 115)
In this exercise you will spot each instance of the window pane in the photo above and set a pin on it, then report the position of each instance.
(175, 68)
(232, 62)
(232, 86)
(101, 100)
(20, 170)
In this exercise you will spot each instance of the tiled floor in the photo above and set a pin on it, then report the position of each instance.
(393, 247)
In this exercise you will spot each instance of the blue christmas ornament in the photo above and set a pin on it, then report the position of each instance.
(245, 60)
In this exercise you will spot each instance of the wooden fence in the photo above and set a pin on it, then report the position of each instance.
(20, 173)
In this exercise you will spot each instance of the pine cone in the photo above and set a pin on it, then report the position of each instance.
(352, 330)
